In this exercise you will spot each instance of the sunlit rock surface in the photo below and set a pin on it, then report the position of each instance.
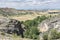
(48, 24)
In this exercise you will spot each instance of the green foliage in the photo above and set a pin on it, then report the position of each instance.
(55, 34)
(52, 36)
(45, 36)
(3, 33)
(31, 27)
(32, 33)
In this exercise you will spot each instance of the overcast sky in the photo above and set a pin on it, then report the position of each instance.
(30, 4)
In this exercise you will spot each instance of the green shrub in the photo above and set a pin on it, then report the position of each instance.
(2, 33)
(55, 34)
(45, 36)
(31, 27)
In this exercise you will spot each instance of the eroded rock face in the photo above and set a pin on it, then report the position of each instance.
(11, 26)
(52, 23)
(47, 25)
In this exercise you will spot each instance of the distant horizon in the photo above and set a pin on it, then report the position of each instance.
(31, 9)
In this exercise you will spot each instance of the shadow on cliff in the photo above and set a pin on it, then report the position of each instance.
(15, 26)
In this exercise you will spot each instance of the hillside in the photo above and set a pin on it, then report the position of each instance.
(23, 15)
(29, 24)
(11, 11)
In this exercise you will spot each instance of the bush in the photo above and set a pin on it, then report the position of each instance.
(31, 27)
(54, 35)
(45, 36)
(32, 33)
(2, 33)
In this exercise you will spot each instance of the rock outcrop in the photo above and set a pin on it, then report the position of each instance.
(11, 26)
(47, 25)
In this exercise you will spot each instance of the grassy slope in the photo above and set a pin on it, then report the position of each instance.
(25, 17)
(21, 15)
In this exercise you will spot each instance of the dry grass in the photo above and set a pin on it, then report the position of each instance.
(26, 17)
